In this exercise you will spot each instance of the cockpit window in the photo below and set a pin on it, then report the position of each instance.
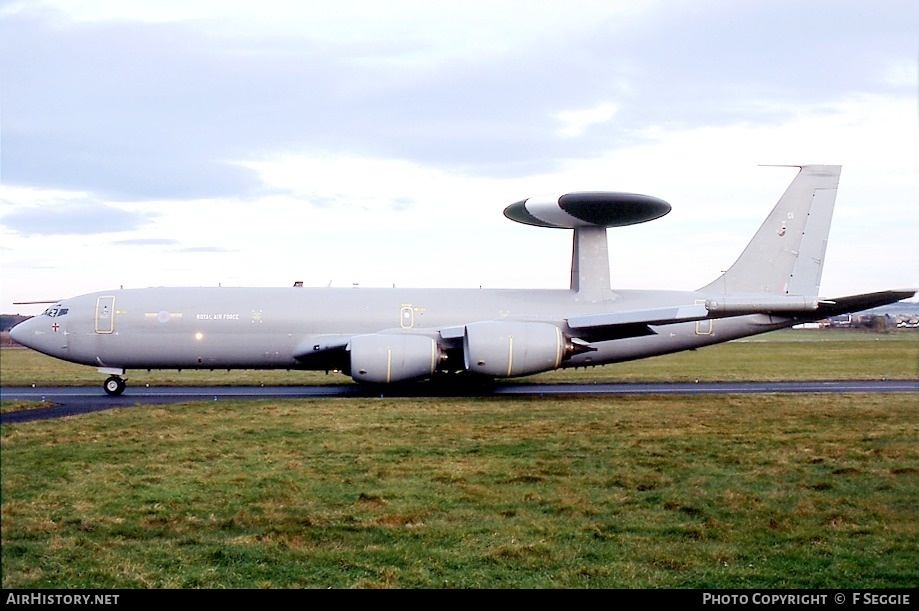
(55, 312)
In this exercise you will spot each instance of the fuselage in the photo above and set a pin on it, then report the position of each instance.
(249, 328)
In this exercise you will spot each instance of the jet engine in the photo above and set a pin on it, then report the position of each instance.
(507, 349)
(381, 358)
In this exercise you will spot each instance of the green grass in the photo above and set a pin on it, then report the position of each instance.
(736, 491)
(777, 356)
(774, 491)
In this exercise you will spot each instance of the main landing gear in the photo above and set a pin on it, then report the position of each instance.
(114, 385)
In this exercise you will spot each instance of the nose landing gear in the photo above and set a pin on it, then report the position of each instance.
(114, 385)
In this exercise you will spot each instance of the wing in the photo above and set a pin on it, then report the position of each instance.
(636, 323)
(327, 352)
(632, 323)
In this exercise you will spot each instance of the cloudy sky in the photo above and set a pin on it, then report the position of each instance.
(207, 143)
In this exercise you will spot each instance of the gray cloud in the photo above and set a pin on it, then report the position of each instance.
(72, 218)
(145, 242)
(206, 249)
(133, 111)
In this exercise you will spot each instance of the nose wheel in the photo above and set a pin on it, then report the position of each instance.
(114, 385)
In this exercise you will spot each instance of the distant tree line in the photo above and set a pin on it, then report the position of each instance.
(8, 321)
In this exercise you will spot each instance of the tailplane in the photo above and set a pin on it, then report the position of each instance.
(786, 255)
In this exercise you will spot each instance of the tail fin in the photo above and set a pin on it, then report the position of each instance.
(785, 257)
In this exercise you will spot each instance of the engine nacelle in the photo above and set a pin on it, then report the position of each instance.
(381, 358)
(507, 349)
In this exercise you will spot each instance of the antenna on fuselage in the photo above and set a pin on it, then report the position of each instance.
(589, 213)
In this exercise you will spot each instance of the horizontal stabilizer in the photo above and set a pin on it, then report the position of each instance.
(857, 303)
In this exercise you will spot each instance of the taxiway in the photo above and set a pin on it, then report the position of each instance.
(70, 401)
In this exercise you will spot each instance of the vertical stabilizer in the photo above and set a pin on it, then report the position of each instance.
(786, 255)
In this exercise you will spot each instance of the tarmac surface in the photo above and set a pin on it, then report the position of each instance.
(72, 401)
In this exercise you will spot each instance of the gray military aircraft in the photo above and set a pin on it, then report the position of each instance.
(385, 336)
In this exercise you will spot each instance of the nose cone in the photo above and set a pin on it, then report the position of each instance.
(40, 333)
(20, 332)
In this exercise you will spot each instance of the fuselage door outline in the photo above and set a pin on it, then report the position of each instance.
(105, 314)
(703, 327)
(407, 317)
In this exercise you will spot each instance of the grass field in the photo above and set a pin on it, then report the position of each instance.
(736, 491)
(781, 355)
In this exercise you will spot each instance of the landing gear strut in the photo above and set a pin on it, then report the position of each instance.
(114, 385)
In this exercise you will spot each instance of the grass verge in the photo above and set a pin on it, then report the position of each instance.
(770, 491)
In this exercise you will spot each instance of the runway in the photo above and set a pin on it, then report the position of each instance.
(72, 401)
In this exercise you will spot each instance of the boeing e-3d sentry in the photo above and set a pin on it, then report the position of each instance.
(393, 335)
